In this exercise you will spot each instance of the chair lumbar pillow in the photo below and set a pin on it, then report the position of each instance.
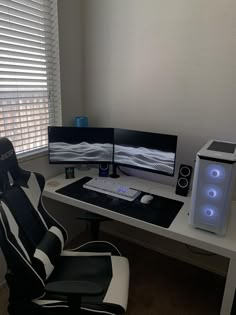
(48, 251)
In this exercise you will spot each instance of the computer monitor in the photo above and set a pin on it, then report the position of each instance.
(74, 145)
(147, 151)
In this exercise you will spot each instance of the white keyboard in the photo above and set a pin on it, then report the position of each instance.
(112, 188)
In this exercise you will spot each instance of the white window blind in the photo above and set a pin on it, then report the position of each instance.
(29, 72)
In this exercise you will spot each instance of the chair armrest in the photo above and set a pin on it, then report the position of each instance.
(72, 288)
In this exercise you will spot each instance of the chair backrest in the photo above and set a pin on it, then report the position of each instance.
(24, 221)
(17, 247)
(31, 183)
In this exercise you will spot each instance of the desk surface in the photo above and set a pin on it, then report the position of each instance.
(179, 230)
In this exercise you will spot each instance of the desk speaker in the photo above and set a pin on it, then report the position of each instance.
(184, 180)
(213, 184)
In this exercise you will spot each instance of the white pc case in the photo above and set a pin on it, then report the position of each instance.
(213, 183)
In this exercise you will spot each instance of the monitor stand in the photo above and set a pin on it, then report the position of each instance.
(114, 171)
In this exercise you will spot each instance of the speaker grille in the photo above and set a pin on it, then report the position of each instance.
(184, 179)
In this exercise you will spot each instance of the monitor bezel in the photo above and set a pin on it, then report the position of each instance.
(143, 168)
(80, 162)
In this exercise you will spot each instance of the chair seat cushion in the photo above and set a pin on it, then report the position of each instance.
(109, 272)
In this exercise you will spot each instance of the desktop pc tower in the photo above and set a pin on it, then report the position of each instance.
(213, 184)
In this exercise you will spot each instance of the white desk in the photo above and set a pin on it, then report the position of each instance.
(179, 230)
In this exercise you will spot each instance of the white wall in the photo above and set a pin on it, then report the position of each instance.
(70, 36)
(164, 66)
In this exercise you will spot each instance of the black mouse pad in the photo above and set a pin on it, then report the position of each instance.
(161, 211)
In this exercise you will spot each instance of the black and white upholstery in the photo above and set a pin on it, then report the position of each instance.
(43, 278)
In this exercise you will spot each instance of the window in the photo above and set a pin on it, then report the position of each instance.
(29, 72)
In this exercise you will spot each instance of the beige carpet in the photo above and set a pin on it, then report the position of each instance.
(3, 300)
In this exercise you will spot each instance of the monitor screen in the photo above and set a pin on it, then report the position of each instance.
(72, 145)
(145, 150)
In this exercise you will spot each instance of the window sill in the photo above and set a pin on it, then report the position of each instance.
(29, 156)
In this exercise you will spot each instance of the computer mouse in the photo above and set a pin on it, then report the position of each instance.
(146, 199)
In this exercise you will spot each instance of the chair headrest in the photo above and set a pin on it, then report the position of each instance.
(8, 160)
(8, 164)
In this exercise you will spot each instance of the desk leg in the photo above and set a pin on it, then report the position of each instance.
(230, 287)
